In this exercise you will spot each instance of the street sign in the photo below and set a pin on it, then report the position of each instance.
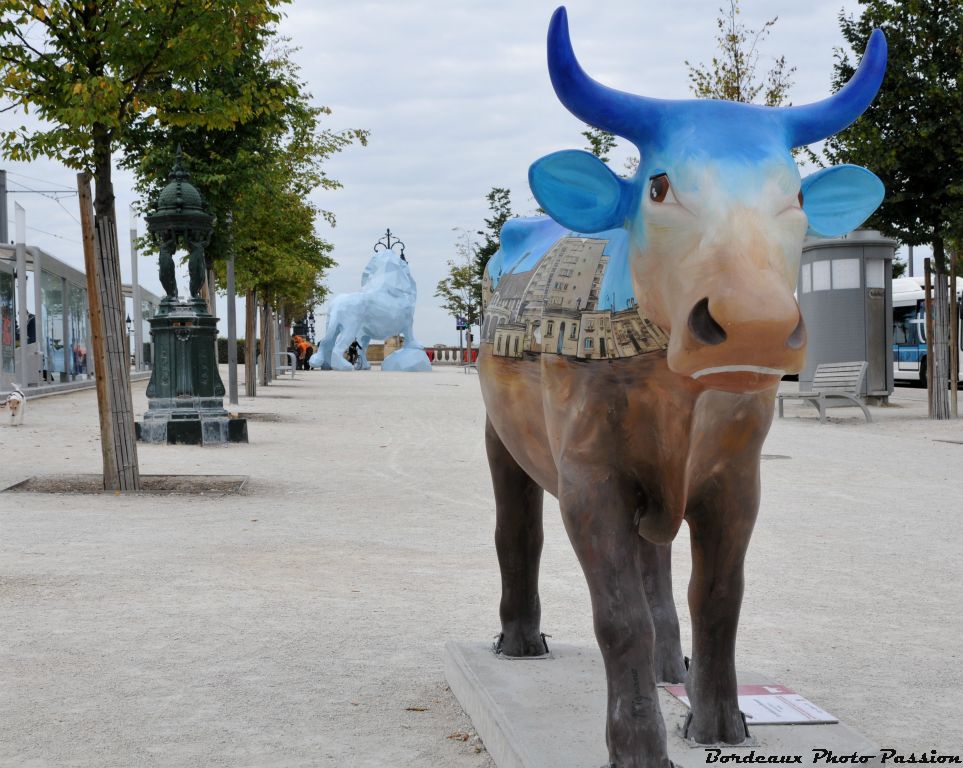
(461, 324)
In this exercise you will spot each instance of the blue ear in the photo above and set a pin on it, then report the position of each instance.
(579, 191)
(840, 198)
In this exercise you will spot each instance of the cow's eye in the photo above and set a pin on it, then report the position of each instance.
(658, 188)
(800, 198)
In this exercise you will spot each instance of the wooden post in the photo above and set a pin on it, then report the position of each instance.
(954, 339)
(137, 316)
(109, 337)
(250, 345)
(928, 304)
(265, 352)
(282, 338)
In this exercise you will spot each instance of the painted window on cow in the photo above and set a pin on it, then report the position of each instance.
(551, 328)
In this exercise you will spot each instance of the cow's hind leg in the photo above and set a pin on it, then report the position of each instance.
(518, 541)
(597, 511)
(657, 580)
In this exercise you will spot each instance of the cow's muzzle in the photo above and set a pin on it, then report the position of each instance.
(740, 347)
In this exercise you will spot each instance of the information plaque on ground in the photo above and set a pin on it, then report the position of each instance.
(770, 704)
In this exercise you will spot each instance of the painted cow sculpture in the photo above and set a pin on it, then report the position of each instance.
(631, 353)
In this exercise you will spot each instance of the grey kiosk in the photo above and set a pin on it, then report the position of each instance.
(846, 299)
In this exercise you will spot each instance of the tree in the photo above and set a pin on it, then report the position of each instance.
(600, 142)
(732, 74)
(92, 71)
(912, 138)
(460, 292)
(500, 207)
(260, 175)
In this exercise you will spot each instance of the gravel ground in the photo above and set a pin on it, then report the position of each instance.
(301, 622)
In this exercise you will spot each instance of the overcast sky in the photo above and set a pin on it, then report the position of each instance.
(457, 97)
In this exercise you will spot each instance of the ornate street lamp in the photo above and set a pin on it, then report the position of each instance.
(385, 243)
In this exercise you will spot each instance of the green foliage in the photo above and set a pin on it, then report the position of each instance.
(500, 206)
(241, 350)
(260, 173)
(600, 142)
(93, 70)
(460, 292)
(912, 134)
(732, 74)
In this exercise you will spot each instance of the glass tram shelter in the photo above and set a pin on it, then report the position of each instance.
(57, 349)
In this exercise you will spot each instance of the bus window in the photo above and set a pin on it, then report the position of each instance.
(904, 327)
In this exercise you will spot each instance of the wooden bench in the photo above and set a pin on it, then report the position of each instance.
(835, 385)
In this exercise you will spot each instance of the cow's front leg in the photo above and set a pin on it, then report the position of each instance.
(518, 541)
(720, 526)
(598, 514)
(657, 580)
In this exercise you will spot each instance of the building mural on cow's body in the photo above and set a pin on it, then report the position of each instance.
(555, 298)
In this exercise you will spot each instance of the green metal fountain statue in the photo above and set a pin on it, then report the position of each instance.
(185, 394)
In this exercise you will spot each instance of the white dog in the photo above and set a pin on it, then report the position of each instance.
(16, 402)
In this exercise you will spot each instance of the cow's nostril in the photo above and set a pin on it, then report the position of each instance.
(703, 327)
(797, 339)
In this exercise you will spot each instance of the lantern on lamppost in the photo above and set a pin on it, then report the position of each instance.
(388, 242)
(185, 395)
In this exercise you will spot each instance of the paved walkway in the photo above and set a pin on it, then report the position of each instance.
(302, 623)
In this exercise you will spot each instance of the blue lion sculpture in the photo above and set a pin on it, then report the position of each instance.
(384, 307)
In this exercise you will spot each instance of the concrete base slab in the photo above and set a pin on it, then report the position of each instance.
(550, 713)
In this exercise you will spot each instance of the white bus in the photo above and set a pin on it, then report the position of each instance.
(909, 329)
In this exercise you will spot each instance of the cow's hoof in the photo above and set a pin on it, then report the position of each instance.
(520, 647)
(720, 730)
(672, 670)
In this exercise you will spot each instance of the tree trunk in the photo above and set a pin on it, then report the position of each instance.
(939, 346)
(250, 345)
(265, 346)
(270, 334)
(109, 336)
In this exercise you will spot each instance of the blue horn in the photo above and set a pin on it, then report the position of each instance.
(817, 121)
(635, 117)
(623, 114)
